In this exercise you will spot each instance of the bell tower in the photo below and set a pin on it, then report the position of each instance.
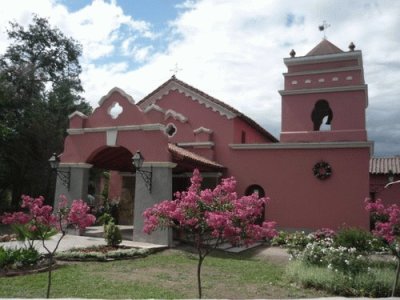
(325, 96)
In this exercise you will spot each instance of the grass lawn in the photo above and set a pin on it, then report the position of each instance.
(167, 274)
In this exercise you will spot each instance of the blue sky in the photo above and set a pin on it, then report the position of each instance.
(230, 49)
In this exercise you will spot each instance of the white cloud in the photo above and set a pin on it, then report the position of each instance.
(233, 50)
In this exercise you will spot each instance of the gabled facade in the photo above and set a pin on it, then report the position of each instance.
(316, 177)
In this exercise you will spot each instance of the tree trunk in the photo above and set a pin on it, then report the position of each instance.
(397, 276)
(200, 262)
(49, 276)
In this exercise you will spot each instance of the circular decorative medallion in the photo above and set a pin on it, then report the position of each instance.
(322, 170)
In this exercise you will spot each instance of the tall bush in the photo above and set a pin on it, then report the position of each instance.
(211, 217)
(387, 226)
(41, 222)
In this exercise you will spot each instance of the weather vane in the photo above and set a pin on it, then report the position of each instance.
(324, 27)
(175, 70)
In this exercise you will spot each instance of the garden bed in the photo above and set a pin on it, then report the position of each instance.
(102, 253)
(42, 265)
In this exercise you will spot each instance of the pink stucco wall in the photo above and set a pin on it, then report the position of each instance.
(348, 114)
(298, 199)
(390, 195)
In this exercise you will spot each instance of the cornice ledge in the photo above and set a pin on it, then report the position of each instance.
(290, 61)
(363, 87)
(196, 144)
(159, 164)
(75, 165)
(144, 127)
(322, 145)
(309, 72)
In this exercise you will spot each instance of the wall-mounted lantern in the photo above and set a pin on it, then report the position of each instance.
(137, 161)
(65, 176)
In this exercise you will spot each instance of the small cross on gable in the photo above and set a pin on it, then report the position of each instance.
(175, 70)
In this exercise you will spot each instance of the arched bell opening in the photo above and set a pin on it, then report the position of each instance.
(322, 116)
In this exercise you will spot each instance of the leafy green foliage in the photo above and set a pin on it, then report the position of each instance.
(163, 275)
(12, 258)
(24, 233)
(39, 80)
(363, 241)
(376, 282)
(105, 219)
(112, 234)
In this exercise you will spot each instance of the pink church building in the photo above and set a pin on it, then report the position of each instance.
(317, 174)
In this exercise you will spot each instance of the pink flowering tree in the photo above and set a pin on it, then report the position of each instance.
(387, 227)
(210, 217)
(40, 222)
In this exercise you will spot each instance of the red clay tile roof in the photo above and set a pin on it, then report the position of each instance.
(185, 154)
(382, 165)
(323, 48)
(245, 118)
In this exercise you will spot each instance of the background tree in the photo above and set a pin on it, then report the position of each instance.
(39, 88)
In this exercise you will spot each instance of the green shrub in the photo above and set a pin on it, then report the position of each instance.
(297, 241)
(280, 239)
(363, 241)
(375, 282)
(18, 257)
(105, 219)
(112, 234)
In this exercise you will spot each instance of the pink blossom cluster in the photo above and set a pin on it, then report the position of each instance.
(79, 215)
(39, 217)
(217, 213)
(387, 225)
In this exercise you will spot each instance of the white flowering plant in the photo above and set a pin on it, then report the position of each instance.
(324, 252)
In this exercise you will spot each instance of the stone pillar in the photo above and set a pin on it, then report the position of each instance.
(78, 185)
(161, 190)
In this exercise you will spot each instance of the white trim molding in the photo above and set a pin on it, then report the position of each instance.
(196, 144)
(79, 114)
(335, 70)
(175, 115)
(75, 165)
(322, 145)
(290, 61)
(144, 127)
(159, 164)
(363, 87)
(203, 174)
(153, 107)
(117, 89)
(202, 129)
(174, 86)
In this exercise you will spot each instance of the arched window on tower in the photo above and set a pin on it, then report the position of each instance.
(322, 116)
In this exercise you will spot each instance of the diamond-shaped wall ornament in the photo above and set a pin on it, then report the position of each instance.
(115, 110)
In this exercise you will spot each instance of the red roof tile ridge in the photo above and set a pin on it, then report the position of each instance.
(188, 154)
